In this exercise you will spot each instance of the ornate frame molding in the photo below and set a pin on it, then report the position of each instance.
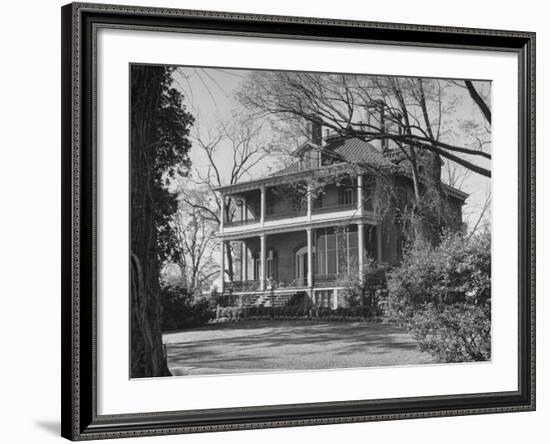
(80, 22)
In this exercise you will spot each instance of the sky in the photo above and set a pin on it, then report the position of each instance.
(210, 96)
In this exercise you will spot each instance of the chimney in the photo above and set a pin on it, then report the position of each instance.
(375, 115)
(317, 132)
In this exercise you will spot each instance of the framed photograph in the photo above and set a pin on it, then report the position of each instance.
(281, 221)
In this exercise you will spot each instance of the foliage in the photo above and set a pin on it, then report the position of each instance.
(458, 332)
(295, 312)
(443, 295)
(373, 281)
(180, 310)
(160, 137)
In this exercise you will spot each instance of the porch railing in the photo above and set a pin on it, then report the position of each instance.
(333, 208)
(240, 286)
(296, 283)
(271, 214)
(237, 223)
(328, 280)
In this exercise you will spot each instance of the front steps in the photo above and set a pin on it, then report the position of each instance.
(267, 299)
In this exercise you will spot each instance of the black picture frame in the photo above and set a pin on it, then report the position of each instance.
(79, 395)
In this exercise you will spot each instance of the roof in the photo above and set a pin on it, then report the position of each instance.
(345, 151)
(350, 150)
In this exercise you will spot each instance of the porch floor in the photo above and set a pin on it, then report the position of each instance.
(260, 346)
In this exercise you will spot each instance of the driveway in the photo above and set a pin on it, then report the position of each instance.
(258, 346)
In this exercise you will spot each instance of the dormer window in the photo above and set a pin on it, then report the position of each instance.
(309, 160)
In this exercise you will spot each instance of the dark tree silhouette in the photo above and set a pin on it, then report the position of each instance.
(159, 152)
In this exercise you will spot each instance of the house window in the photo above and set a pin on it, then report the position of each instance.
(346, 196)
(256, 265)
(310, 159)
(330, 247)
(337, 251)
(270, 265)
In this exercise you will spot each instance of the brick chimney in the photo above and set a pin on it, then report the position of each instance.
(317, 132)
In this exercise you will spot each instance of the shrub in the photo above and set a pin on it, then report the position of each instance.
(374, 276)
(454, 333)
(180, 310)
(443, 295)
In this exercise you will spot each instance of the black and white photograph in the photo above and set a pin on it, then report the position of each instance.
(274, 222)
(297, 221)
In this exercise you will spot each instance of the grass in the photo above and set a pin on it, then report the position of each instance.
(258, 346)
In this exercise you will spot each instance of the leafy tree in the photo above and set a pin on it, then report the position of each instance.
(159, 153)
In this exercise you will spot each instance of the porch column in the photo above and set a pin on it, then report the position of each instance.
(360, 194)
(309, 258)
(360, 249)
(309, 201)
(262, 205)
(222, 267)
(222, 212)
(379, 241)
(262, 262)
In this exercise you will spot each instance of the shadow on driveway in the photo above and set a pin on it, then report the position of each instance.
(257, 346)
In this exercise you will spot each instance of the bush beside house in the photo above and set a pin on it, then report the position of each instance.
(181, 310)
(442, 294)
(287, 313)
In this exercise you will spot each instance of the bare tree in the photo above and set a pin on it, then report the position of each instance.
(195, 244)
(230, 153)
(406, 116)
(410, 114)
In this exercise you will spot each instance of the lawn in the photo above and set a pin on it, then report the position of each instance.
(258, 346)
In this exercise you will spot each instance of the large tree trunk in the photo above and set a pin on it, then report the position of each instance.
(147, 357)
(147, 352)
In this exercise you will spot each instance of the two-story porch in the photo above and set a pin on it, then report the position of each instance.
(288, 237)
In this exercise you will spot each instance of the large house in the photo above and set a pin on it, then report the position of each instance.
(308, 229)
